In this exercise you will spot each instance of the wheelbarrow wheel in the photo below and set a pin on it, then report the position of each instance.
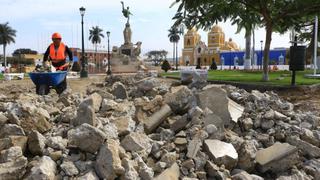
(42, 89)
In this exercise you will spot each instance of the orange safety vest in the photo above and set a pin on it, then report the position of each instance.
(59, 55)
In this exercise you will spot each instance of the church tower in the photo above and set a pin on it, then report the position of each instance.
(216, 41)
(191, 39)
(216, 37)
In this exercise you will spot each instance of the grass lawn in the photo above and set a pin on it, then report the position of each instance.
(1, 76)
(255, 77)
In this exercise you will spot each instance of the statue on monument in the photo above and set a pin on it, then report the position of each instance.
(127, 33)
(126, 12)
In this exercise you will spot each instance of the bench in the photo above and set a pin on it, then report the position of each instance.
(10, 76)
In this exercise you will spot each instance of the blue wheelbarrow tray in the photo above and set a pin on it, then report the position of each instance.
(48, 78)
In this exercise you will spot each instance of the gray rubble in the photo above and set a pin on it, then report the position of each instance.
(139, 127)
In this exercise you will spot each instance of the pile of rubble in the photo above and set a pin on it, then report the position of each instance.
(144, 128)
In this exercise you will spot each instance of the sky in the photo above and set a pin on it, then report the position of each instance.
(36, 20)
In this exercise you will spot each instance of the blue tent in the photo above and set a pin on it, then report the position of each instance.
(231, 58)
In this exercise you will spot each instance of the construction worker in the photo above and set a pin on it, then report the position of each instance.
(56, 53)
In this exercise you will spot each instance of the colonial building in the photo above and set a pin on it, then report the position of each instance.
(197, 52)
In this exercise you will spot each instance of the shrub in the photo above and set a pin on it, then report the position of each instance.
(213, 65)
(165, 66)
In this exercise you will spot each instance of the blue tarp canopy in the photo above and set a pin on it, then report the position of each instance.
(231, 57)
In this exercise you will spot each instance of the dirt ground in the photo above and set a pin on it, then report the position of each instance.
(77, 85)
(305, 99)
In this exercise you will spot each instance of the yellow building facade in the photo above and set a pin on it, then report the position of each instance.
(196, 51)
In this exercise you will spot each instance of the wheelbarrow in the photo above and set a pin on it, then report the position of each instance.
(46, 80)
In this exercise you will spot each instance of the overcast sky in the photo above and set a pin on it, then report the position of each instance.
(36, 20)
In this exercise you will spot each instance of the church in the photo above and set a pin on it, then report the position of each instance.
(196, 51)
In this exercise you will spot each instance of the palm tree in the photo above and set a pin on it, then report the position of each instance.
(174, 38)
(248, 26)
(7, 35)
(95, 37)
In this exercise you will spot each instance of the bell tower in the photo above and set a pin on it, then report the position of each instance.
(216, 37)
(191, 39)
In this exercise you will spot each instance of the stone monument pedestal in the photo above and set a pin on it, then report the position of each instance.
(127, 49)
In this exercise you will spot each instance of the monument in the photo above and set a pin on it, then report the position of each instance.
(128, 48)
(126, 57)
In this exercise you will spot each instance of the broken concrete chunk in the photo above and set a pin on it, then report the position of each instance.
(119, 91)
(36, 143)
(180, 123)
(91, 175)
(11, 154)
(3, 119)
(157, 118)
(11, 130)
(235, 110)
(277, 158)
(13, 169)
(86, 137)
(221, 153)
(69, 168)
(179, 99)
(85, 114)
(136, 142)
(42, 168)
(108, 164)
(194, 147)
(124, 125)
(215, 98)
(96, 101)
(172, 173)
(305, 147)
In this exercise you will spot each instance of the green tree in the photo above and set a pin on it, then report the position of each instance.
(95, 35)
(306, 32)
(165, 66)
(274, 16)
(174, 38)
(23, 51)
(157, 56)
(7, 35)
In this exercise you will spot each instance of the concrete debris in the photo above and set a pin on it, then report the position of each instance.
(134, 142)
(179, 99)
(221, 153)
(86, 137)
(277, 158)
(141, 127)
(119, 91)
(69, 168)
(41, 168)
(157, 118)
(108, 164)
(85, 114)
(172, 173)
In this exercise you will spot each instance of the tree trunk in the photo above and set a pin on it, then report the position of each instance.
(265, 76)
(4, 55)
(253, 47)
(177, 55)
(174, 52)
(247, 62)
(95, 58)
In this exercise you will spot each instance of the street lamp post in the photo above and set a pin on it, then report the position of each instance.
(261, 55)
(109, 69)
(84, 72)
